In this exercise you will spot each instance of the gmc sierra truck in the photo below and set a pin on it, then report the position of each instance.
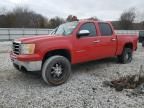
(71, 43)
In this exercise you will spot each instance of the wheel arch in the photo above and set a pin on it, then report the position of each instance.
(128, 45)
(62, 52)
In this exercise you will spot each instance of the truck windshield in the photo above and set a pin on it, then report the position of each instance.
(66, 29)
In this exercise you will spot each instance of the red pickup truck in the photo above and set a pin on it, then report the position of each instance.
(71, 43)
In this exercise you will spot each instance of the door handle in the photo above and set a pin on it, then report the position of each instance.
(96, 41)
(113, 39)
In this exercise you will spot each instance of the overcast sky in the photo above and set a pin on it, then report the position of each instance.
(103, 9)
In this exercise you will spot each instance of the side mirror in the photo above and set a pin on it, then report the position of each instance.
(82, 33)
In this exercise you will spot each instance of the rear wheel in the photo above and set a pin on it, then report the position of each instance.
(126, 56)
(56, 70)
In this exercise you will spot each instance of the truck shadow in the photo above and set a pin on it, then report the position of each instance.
(97, 64)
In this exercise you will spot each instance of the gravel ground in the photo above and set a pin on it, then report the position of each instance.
(83, 90)
(5, 46)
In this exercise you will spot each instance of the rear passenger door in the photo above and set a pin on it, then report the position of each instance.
(108, 40)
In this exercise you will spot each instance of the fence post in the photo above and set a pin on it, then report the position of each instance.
(9, 34)
(23, 32)
(36, 32)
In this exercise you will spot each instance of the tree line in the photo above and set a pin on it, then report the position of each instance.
(130, 20)
(22, 17)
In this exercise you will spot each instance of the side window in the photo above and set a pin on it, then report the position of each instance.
(90, 27)
(105, 29)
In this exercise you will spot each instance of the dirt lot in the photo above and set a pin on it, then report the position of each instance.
(83, 90)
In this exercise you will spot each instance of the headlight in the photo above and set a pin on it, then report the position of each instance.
(27, 48)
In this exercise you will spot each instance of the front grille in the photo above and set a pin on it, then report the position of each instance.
(16, 47)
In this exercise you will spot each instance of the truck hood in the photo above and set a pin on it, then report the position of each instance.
(34, 39)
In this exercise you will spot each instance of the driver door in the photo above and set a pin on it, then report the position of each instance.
(84, 44)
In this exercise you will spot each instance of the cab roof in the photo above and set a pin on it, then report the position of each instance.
(97, 21)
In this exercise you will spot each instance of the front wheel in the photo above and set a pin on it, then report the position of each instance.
(126, 56)
(56, 70)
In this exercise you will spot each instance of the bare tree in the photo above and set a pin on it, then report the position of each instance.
(127, 18)
(3, 11)
(54, 22)
(22, 17)
(141, 19)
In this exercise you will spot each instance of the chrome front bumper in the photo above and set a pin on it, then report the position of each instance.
(27, 66)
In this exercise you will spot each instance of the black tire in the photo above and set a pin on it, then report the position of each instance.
(142, 43)
(126, 56)
(56, 70)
